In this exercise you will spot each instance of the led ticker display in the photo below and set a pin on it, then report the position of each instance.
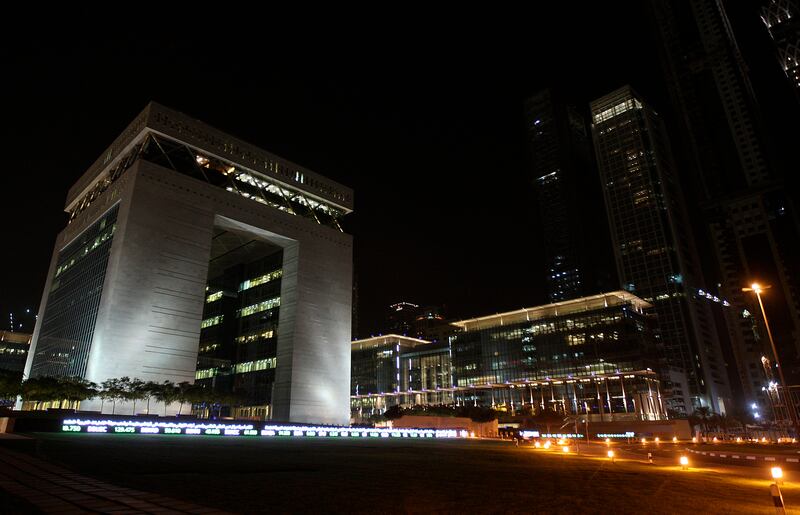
(626, 434)
(215, 429)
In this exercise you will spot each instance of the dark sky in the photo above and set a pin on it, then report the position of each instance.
(423, 119)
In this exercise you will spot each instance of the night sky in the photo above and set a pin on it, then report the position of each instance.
(423, 119)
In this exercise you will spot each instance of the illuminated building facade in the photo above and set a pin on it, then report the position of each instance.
(654, 247)
(594, 354)
(568, 195)
(724, 151)
(14, 348)
(184, 250)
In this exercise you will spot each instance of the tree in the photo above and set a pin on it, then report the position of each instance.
(167, 392)
(150, 389)
(112, 390)
(132, 390)
(76, 389)
(184, 394)
(40, 389)
(393, 412)
(10, 384)
(548, 417)
(702, 416)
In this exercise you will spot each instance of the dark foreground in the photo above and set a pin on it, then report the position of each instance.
(401, 476)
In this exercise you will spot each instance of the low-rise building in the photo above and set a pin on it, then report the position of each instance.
(593, 355)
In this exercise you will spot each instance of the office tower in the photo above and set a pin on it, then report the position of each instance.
(182, 236)
(652, 241)
(751, 222)
(782, 19)
(574, 235)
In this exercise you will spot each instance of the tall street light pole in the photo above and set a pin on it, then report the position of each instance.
(757, 288)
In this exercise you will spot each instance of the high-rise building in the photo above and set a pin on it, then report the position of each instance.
(188, 247)
(653, 243)
(782, 18)
(751, 222)
(567, 191)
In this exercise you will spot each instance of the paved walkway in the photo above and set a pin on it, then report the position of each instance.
(54, 489)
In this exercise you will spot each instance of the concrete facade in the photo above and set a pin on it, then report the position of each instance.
(151, 307)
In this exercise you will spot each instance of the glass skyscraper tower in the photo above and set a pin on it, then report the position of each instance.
(655, 254)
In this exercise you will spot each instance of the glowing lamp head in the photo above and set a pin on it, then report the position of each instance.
(537, 444)
(608, 440)
(565, 448)
(777, 473)
(684, 461)
(547, 444)
(756, 287)
(644, 440)
(674, 439)
(610, 454)
(694, 439)
(657, 439)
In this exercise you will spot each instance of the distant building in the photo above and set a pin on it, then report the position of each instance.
(590, 355)
(422, 322)
(574, 230)
(782, 18)
(653, 242)
(400, 318)
(14, 348)
(192, 255)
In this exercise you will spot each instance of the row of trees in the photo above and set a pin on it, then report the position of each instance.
(69, 391)
(709, 421)
(476, 413)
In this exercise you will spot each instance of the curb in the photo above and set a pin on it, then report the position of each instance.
(746, 457)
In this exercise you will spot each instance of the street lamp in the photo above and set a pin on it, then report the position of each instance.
(757, 288)
(684, 462)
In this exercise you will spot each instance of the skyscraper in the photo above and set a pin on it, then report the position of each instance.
(567, 192)
(751, 222)
(187, 247)
(782, 18)
(652, 241)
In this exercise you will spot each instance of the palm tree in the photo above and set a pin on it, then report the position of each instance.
(703, 416)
